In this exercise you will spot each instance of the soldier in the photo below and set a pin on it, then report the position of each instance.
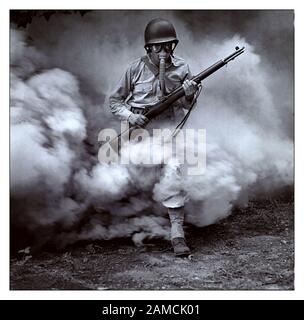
(146, 80)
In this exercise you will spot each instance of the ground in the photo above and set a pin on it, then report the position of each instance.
(251, 249)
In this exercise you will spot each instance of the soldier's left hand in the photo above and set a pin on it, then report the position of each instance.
(190, 88)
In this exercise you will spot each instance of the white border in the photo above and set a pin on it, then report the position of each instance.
(4, 165)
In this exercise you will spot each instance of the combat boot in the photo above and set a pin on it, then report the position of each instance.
(180, 247)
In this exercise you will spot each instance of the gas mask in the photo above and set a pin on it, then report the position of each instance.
(163, 51)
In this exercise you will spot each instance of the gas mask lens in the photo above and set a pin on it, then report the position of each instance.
(168, 47)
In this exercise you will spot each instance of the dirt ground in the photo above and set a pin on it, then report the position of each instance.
(251, 249)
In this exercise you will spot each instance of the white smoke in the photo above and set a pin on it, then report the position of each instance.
(55, 176)
(46, 120)
(106, 183)
(247, 150)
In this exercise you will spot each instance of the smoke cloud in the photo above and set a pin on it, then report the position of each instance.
(62, 72)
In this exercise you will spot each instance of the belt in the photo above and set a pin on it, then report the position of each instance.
(168, 114)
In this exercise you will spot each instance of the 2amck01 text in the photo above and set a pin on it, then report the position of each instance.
(151, 309)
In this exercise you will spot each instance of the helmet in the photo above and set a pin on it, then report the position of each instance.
(159, 31)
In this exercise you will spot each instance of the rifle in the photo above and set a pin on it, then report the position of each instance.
(164, 102)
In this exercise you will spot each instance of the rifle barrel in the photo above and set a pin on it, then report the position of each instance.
(233, 55)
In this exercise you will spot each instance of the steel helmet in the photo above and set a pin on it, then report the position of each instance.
(159, 31)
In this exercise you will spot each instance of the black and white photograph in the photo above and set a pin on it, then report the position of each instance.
(151, 150)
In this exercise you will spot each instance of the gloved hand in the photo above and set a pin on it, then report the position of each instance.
(190, 87)
(137, 119)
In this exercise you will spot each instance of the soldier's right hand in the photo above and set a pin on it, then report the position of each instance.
(137, 120)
